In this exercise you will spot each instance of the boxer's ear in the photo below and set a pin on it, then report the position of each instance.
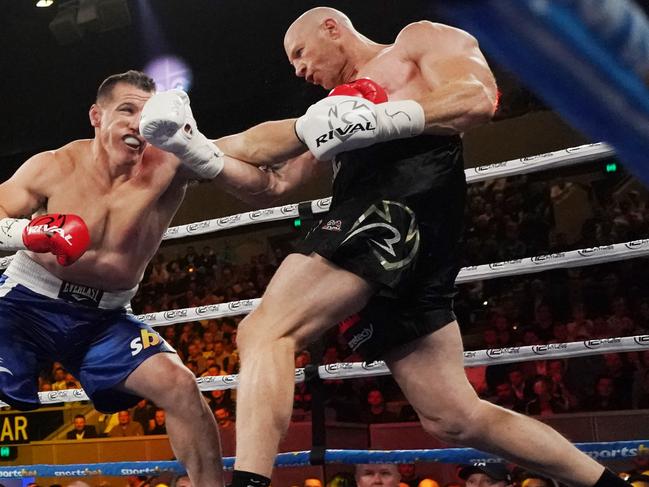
(95, 115)
(331, 28)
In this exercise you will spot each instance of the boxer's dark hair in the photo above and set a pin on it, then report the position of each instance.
(135, 78)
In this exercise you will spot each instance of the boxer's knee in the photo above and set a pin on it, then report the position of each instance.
(461, 425)
(267, 328)
(179, 392)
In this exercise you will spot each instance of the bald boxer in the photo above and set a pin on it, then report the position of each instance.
(65, 295)
(387, 253)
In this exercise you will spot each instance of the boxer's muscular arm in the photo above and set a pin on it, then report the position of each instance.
(22, 194)
(462, 90)
(265, 144)
(263, 186)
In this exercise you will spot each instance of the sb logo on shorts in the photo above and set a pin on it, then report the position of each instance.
(145, 340)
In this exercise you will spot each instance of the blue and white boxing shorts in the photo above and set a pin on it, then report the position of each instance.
(45, 319)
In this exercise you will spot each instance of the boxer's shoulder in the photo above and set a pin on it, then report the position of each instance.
(432, 36)
(65, 160)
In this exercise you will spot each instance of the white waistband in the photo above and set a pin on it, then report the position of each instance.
(34, 276)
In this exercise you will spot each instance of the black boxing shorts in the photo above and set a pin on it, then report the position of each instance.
(409, 248)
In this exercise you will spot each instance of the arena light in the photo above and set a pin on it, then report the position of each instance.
(170, 72)
(76, 17)
(44, 3)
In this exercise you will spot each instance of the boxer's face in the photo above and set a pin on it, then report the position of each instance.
(316, 55)
(384, 475)
(116, 119)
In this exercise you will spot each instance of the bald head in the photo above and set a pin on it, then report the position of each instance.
(323, 46)
(312, 19)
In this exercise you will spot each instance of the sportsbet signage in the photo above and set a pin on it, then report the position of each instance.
(25, 427)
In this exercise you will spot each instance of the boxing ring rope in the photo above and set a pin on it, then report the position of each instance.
(352, 370)
(550, 160)
(528, 265)
(598, 450)
(581, 57)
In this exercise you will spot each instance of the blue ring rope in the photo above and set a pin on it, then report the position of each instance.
(601, 451)
(574, 66)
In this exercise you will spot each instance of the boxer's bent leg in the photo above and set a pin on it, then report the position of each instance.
(430, 371)
(126, 360)
(307, 295)
(192, 429)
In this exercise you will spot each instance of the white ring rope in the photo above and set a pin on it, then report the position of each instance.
(575, 258)
(524, 165)
(527, 265)
(349, 370)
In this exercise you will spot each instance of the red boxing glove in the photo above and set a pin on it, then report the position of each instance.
(363, 87)
(65, 236)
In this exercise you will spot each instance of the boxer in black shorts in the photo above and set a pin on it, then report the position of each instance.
(396, 221)
(388, 247)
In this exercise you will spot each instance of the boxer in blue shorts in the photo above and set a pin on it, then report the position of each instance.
(107, 202)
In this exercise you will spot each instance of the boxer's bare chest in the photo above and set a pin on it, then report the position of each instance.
(125, 219)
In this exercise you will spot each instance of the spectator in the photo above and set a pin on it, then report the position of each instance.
(159, 423)
(384, 474)
(376, 411)
(224, 418)
(520, 387)
(221, 356)
(195, 355)
(59, 383)
(143, 413)
(506, 398)
(482, 474)
(622, 375)
(559, 389)
(530, 479)
(221, 399)
(81, 430)
(580, 326)
(342, 479)
(605, 397)
(408, 474)
(181, 481)
(641, 383)
(545, 403)
(125, 426)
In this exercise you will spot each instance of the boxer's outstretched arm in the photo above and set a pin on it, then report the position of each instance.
(262, 186)
(265, 144)
(462, 91)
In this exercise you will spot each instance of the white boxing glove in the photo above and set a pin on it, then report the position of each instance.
(168, 124)
(343, 123)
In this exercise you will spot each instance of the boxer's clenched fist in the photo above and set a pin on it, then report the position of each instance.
(65, 236)
(347, 120)
(167, 122)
